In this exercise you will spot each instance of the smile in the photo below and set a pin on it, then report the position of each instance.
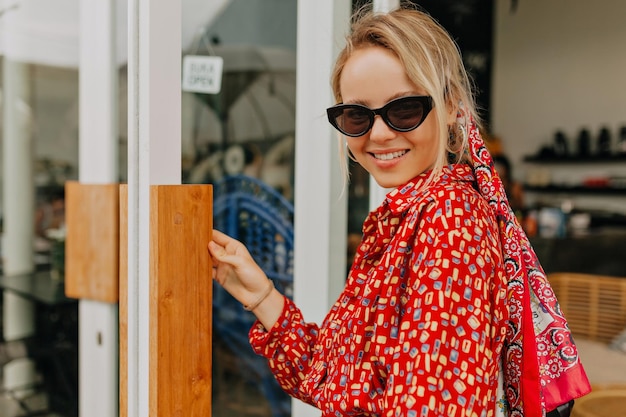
(388, 156)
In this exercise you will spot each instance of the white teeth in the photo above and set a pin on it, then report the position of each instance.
(388, 156)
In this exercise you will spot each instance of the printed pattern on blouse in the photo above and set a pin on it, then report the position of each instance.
(419, 327)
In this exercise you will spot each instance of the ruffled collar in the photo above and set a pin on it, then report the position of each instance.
(401, 198)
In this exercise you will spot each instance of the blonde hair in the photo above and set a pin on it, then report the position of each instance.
(431, 59)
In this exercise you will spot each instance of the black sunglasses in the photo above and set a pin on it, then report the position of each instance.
(402, 114)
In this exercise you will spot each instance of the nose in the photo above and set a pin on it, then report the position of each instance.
(380, 131)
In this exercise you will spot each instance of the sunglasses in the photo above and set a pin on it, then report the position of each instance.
(402, 114)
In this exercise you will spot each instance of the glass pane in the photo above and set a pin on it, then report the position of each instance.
(241, 140)
(39, 130)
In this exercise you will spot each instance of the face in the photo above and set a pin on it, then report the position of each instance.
(373, 76)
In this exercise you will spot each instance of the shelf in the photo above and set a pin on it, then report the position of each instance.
(575, 159)
(576, 190)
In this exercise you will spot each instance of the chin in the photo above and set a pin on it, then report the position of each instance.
(389, 183)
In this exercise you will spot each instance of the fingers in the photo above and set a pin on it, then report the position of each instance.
(217, 251)
(223, 248)
(221, 238)
(217, 246)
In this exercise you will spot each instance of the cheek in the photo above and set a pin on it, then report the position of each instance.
(356, 151)
(431, 138)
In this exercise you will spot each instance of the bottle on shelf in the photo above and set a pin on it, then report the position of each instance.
(621, 145)
(604, 142)
(584, 143)
(560, 144)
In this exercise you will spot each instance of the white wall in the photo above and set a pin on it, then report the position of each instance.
(559, 65)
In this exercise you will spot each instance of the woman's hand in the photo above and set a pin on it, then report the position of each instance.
(236, 271)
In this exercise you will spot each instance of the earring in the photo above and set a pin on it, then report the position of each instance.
(451, 139)
(457, 139)
(452, 148)
(461, 122)
(463, 132)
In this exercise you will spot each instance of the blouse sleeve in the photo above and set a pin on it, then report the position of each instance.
(445, 362)
(288, 347)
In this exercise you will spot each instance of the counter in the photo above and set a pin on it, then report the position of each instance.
(602, 252)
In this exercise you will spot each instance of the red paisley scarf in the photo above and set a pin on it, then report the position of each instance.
(541, 366)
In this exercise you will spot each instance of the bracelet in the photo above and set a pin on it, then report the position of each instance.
(262, 298)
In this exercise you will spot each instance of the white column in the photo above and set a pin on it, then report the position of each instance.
(320, 207)
(18, 211)
(154, 157)
(378, 193)
(98, 164)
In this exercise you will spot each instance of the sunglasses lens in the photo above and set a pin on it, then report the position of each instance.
(406, 114)
(353, 120)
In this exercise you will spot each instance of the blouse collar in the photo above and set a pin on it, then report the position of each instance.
(398, 200)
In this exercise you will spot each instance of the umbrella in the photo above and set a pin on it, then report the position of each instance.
(257, 98)
(253, 113)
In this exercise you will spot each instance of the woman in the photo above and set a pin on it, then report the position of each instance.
(425, 325)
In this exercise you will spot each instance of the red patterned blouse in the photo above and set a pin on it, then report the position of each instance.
(419, 326)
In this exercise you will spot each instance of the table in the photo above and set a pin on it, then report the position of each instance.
(601, 403)
(56, 350)
(38, 286)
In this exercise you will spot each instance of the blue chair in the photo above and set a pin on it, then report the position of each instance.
(258, 216)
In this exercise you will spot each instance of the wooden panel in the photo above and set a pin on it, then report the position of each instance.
(92, 245)
(594, 305)
(181, 222)
(123, 308)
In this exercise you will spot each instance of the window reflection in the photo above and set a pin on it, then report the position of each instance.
(242, 141)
